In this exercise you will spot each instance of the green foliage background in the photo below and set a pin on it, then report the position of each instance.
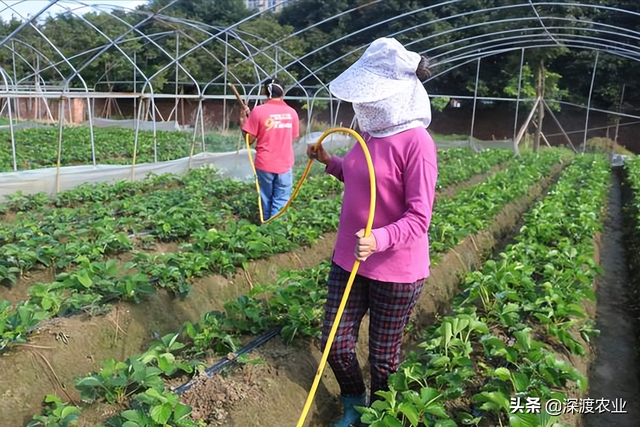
(313, 40)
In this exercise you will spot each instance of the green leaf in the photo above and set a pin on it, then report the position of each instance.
(148, 358)
(52, 398)
(155, 394)
(493, 401)
(161, 413)
(523, 420)
(409, 411)
(503, 374)
(166, 362)
(391, 421)
(440, 361)
(447, 333)
(190, 329)
(428, 395)
(181, 411)
(69, 410)
(89, 382)
(133, 415)
(521, 381)
(437, 410)
(84, 279)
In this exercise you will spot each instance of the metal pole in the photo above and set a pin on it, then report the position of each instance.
(135, 141)
(36, 114)
(15, 76)
(60, 127)
(91, 134)
(70, 113)
(195, 132)
(155, 128)
(13, 142)
(202, 124)
(333, 115)
(586, 124)
(475, 100)
(13, 138)
(177, 70)
(515, 122)
(26, 23)
(615, 138)
(135, 85)
(224, 101)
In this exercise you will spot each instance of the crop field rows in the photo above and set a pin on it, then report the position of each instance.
(38, 147)
(493, 323)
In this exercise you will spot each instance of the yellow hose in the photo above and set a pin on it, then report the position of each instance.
(356, 264)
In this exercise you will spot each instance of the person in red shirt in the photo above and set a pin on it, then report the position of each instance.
(274, 125)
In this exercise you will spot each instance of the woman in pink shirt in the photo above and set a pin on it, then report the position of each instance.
(393, 111)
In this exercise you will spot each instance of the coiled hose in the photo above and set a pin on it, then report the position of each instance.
(356, 264)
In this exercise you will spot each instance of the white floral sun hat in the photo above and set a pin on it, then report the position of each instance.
(386, 68)
(387, 95)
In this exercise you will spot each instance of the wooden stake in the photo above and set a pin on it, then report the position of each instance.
(238, 97)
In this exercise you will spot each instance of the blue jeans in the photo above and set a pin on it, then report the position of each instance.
(275, 190)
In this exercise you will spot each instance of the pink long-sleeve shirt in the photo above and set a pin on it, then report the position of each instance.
(406, 171)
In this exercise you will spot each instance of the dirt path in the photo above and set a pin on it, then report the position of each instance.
(615, 371)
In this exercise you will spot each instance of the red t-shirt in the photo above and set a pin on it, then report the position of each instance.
(275, 125)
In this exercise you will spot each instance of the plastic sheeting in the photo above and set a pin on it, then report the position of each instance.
(23, 125)
(133, 123)
(229, 165)
(34, 181)
(476, 144)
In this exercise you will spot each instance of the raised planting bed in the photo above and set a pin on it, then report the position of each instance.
(519, 330)
(631, 195)
(89, 280)
(302, 374)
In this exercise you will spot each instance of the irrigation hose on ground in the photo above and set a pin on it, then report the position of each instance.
(231, 358)
(356, 264)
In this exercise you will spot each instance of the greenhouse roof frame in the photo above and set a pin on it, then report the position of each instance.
(538, 29)
(217, 33)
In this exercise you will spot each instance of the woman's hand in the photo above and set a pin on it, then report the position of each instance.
(319, 154)
(365, 246)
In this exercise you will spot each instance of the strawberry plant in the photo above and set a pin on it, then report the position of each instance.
(56, 414)
(220, 248)
(155, 409)
(455, 165)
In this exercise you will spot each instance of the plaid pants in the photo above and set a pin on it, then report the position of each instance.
(390, 306)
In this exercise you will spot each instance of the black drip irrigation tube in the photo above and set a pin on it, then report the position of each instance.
(232, 357)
